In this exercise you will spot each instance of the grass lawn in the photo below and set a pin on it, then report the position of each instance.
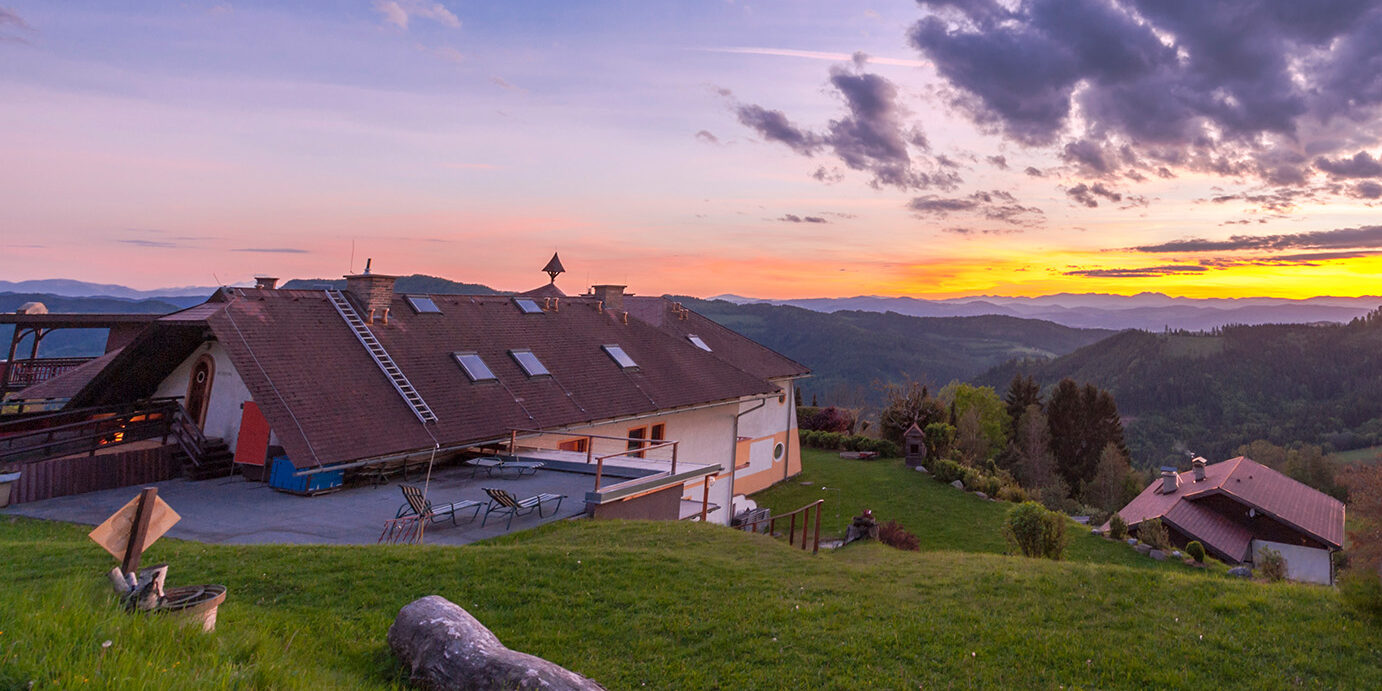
(677, 606)
(687, 606)
(942, 517)
(1371, 455)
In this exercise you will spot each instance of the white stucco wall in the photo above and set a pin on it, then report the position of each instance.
(1308, 564)
(708, 435)
(227, 392)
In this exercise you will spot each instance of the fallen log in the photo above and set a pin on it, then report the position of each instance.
(444, 647)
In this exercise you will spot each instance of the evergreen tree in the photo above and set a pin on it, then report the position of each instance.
(1082, 421)
(1022, 392)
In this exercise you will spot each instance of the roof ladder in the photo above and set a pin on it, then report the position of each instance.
(381, 357)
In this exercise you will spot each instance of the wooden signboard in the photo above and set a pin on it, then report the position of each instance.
(115, 534)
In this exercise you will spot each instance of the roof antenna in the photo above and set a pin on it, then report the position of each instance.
(352, 256)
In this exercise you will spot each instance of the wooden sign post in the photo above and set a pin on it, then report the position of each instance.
(132, 529)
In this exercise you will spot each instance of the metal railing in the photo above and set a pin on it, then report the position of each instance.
(644, 446)
(805, 511)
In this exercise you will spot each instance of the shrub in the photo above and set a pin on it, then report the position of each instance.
(1154, 533)
(894, 535)
(1117, 528)
(1012, 492)
(1195, 550)
(947, 471)
(1271, 564)
(1035, 531)
(976, 481)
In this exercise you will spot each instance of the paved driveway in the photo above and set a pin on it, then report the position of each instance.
(233, 510)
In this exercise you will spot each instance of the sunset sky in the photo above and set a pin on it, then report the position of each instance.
(771, 149)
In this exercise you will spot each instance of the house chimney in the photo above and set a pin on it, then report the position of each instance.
(1170, 479)
(265, 282)
(1198, 465)
(611, 296)
(374, 292)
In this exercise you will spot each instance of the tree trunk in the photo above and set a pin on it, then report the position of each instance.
(446, 648)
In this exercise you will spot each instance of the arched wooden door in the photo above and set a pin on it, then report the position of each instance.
(199, 389)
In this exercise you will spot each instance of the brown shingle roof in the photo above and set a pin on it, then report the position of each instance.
(67, 384)
(725, 344)
(328, 401)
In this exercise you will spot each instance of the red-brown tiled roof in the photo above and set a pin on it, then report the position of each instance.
(548, 290)
(1251, 485)
(725, 344)
(328, 402)
(1219, 534)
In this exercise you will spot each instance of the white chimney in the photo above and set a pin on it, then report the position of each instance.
(1170, 480)
(1198, 465)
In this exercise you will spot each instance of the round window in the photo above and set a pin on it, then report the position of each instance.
(778, 451)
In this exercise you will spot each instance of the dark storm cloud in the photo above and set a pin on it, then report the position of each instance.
(1140, 272)
(873, 136)
(1361, 165)
(1221, 87)
(1342, 238)
(994, 205)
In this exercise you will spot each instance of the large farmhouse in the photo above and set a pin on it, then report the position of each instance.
(1239, 506)
(308, 387)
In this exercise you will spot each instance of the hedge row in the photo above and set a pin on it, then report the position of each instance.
(836, 441)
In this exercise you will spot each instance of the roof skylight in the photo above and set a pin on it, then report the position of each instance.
(696, 341)
(528, 305)
(529, 362)
(617, 353)
(474, 367)
(423, 304)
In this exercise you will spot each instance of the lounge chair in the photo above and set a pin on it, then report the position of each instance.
(504, 503)
(489, 463)
(493, 463)
(418, 506)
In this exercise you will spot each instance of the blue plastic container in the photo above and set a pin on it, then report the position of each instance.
(281, 478)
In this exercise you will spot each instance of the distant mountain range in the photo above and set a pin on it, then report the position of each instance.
(1147, 311)
(67, 287)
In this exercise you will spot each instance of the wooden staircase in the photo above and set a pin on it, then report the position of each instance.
(216, 460)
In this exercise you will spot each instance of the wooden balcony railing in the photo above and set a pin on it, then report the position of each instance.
(805, 512)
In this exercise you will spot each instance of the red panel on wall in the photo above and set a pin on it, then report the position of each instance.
(252, 445)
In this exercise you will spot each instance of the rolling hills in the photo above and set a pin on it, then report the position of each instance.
(1211, 392)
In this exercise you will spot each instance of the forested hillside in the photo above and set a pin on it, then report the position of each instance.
(849, 351)
(1210, 393)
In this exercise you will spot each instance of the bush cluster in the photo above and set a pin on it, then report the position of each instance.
(1034, 531)
(999, 485)
(830, 419)
(1195, 550)
(946, 471)
(1153, 533)
(1117, 528)
(835, 441)
(1271, 564)
(894, 535)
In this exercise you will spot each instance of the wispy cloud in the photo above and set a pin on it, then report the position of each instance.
(818, 55)
(400, 12)
(271, 250)
(1140, 272)
(148, 243)
(793, 218)
(12, 26)
(1342, 238)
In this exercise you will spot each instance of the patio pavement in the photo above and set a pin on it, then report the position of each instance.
(235, 511)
